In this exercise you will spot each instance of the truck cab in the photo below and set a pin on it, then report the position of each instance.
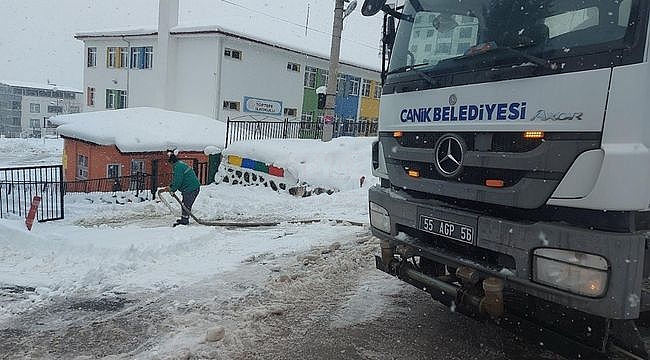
(514, 160)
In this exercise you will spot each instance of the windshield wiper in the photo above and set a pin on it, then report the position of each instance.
(415, 69)
(406, 68)
(491, 47)
(545, 63)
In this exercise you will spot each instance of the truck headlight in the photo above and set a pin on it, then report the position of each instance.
(379, 218)
(573, 271)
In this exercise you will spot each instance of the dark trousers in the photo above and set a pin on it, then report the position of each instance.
(188, 201)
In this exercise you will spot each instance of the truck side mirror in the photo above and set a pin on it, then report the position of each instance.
(371, 7)
(389, 33)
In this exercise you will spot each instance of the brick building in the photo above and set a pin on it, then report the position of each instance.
(126, 142)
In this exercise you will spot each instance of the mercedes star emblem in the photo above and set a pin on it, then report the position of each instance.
(449, 155)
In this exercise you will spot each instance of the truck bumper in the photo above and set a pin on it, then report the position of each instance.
(504, 248)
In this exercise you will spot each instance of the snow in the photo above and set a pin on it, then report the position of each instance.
(39, 86)
(143, 129)
(102, 249)
(337, 164)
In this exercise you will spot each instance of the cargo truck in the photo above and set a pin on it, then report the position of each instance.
(513, 159)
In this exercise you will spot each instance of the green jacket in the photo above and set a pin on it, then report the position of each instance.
(183, 178)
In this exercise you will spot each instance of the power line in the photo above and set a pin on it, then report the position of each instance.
(329, 34)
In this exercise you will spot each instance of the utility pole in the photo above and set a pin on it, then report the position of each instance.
(330, 97)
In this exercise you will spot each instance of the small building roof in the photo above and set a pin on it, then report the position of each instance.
(143, 129)
(31, 85)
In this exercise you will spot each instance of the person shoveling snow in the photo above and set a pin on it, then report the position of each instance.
(185, 180)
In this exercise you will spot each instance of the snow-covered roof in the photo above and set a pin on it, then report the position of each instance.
(143, 129)
(269, 38)
(290, 41)
(118, 32)
(52, 87)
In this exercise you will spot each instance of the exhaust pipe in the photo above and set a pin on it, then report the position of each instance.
(491, 304)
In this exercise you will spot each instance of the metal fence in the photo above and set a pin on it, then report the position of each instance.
(238, 130)
(137, 183)
(18, 186)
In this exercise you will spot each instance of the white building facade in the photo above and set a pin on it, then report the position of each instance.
(210, 70)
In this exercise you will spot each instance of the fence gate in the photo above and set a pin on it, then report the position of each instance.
(19, 185)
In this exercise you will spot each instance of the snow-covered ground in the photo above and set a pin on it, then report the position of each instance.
(122, 270)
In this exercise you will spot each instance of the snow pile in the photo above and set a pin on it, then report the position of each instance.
(30, 152)
(338, 164)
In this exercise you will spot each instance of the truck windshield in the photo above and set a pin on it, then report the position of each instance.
(451, 35)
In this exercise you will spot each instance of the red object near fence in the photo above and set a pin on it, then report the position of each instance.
(29, 221)
(276, 171)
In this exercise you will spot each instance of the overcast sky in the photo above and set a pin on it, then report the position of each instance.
(37, 41)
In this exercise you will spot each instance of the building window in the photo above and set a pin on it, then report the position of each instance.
(137, 167)
(325, 75)
(116, 99)
(306, 121)
(34, 108)
(54, 109)
(232, 53)
(92, 57)
(290, 112)
(231, 105)
(123, 57)
(310, 77)
(463, 47)
(466, 32)
(16, 105)
(377, 91)
(365, 88)
(110, 57)
(354, 86)
(117, 57)
(35, 123)
(113, 171)
(306, 117)
(90, 96)
(340, 84)
(443, 48)
(293, 67)
(82, 167)
(123, 100)
(142, 57)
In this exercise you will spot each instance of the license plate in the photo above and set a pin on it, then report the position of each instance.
(450, 229)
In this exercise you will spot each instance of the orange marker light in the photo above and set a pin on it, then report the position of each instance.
(534, 134)
(397, 134)
(414, 173)
(494, 183)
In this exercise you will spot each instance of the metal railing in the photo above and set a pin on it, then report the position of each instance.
(137, 184)
(238, 130)
(18, 186)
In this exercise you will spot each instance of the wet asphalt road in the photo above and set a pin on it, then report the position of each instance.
(414, 327)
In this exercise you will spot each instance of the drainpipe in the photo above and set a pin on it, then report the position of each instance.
(128, 70)
(217, 79)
